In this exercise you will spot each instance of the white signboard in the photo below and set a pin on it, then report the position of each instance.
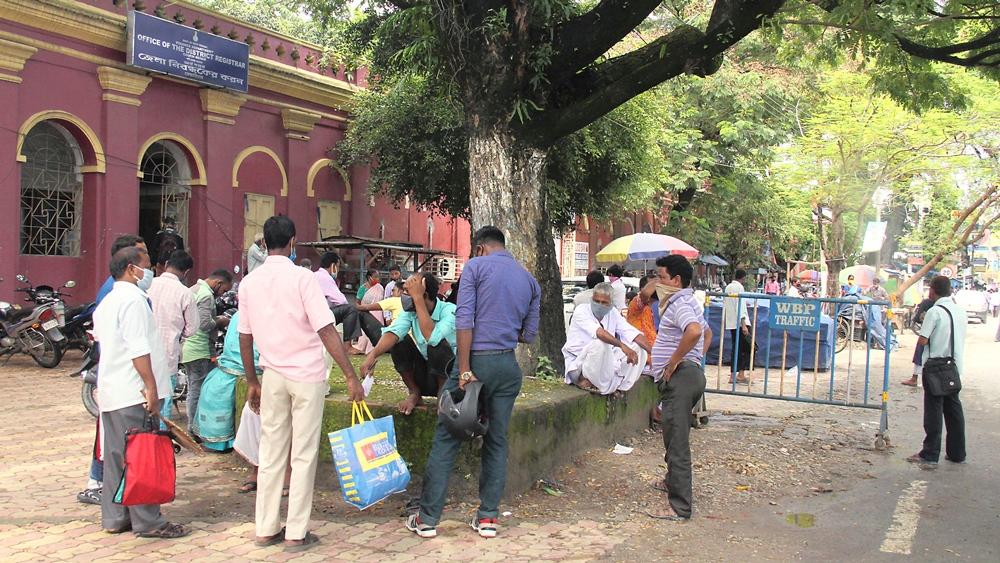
(582, 256)
(874, 237)
(947, 272)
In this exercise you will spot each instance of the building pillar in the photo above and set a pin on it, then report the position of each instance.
(117, 191)
(12, 59)
(218, 234)
(301, 205)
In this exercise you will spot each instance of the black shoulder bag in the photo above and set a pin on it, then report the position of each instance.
(941, 374)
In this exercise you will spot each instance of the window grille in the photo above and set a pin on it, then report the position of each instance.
(51, 192)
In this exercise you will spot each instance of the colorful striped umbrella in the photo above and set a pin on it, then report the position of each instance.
(810, 275)
(863, 275)
(645, 246)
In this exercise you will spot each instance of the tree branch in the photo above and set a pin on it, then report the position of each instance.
(586, 96)
(579, 42)
(946, 54)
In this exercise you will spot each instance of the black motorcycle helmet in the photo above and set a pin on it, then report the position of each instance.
(464, 413)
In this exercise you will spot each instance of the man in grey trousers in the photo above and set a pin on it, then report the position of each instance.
(134, 377)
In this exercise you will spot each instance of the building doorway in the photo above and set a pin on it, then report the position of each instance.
(164, 190)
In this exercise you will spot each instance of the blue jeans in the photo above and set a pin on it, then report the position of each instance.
(501, 377)
(168, 402)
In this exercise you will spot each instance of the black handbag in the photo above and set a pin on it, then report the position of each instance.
(941, 374)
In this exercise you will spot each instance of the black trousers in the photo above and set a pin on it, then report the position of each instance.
(426, 371)
(370, 326)
(744, 360)
(348, 315)
(950, 409)
(679, 396)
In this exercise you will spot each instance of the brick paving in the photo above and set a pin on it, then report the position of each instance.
(45, 444)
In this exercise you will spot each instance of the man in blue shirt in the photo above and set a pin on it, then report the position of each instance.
(95, 482)
(421, 341)
(497, 308)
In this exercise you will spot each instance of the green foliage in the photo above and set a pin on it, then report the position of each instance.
(415, 132)
(545, 369)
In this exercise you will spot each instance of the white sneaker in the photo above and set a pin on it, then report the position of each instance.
(486, 527)
(414, 525)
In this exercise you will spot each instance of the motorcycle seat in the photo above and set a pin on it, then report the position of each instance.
(76, 311)
(15, 315)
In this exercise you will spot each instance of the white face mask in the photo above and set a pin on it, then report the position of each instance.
(146, 280)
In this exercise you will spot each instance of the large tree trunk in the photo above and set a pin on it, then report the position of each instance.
(505, 191)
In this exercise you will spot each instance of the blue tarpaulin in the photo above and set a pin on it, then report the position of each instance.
(764, 332)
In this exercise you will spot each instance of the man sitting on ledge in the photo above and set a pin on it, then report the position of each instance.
(421, 341)
(603, 352)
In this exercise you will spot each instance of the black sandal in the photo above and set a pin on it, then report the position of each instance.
(243, 489)
(307, 542)
(168, 531)
(122, 530)
(270, 540)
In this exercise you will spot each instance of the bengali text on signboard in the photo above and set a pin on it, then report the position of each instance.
(164, 46)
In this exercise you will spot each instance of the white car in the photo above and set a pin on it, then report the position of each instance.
(975, 303)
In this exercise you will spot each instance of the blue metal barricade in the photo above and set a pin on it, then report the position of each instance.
(811, 333)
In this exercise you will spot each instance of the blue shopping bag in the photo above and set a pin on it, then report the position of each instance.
(365, 456)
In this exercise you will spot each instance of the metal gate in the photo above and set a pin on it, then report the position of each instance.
(834, 339)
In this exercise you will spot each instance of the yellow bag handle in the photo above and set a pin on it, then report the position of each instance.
(358, 412)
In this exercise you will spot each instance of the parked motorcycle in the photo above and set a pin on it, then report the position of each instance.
(74, 323)
(88, 370)
(33, 331)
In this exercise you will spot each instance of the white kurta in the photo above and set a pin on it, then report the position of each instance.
(601, 363)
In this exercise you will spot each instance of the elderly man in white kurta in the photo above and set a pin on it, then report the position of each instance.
(603, 352)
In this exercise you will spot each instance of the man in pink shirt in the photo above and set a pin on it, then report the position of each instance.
(283, 311)
(176, 313)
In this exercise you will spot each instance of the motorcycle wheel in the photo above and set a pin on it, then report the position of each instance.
(843, 334)
(44, 351)
(89, 395)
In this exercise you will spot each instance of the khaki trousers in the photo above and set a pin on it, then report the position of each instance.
(291, 414)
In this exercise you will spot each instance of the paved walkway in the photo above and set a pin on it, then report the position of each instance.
(45, 445)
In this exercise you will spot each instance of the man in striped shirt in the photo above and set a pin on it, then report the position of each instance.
(677, 355)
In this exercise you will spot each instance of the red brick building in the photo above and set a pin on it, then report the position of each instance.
(91, 148)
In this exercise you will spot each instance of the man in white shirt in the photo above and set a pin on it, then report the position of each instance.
(936, 337)
(587, 295)
(615, 274)
(133, 361)
(737, 321)
(176, 313)
(603, 352)
(793, 288)
(256, 253)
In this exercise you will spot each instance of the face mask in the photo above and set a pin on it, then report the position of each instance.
(335, 272)
(146, 280)
(292, 257)
(408, 303)
(600, 311)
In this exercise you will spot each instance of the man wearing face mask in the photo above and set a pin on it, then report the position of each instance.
(421, 340)
(329, 267)
(198, 350)
(133, 362)
(176, 312)
(92, 494)
(681, 341)
(603, 352)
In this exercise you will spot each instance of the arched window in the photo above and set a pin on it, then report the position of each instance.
(51, 192)
(165, 188)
